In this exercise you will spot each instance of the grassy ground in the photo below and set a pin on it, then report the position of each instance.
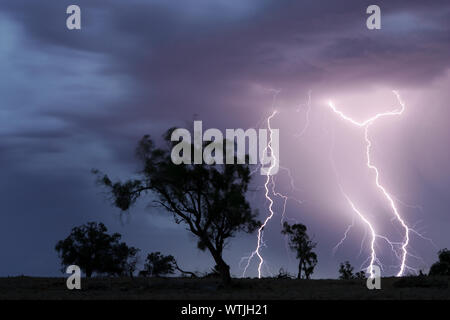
(186, 288)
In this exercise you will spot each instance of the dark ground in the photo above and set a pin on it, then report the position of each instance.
(187, 288)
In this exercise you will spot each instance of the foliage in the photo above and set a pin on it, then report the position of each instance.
(93, 250)
(208, 199)
(300, 242)
(346, 272)
(158, 264)
(442, 267)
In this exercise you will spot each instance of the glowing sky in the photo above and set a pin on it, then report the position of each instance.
(72, 101)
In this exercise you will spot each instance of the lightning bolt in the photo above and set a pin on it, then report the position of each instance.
(345, 236)
(269, 180)
(373, 256)
(269, 187)
(366, 124)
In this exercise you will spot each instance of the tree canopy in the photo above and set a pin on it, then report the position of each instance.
(158, 264)
(300, 242)
(346, 271)
(209, 199)
(442, 267)
(92, 249)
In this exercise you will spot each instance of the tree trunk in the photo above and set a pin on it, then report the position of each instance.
(223, 268)
(299, 276)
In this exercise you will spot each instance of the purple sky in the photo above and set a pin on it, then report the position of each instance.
(76, 100)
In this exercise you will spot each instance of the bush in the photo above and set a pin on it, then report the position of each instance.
(282, 274)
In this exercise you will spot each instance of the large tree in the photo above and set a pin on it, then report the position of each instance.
(442, 267)
(209, 199)
(92, 249)
(300, 242)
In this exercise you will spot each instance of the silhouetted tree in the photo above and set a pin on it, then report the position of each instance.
(442, 267)
(208, 199)
(346, 271)
(93, 250)
(158, 264)
(300, 242)
(360, 275)
(312, 261)
(132, 261)
(123, 260)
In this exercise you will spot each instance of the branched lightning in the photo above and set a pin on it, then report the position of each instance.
(400, 249)
(267, 194)
(270, 191)
(404, 244)
(344, 236)
(373, 256)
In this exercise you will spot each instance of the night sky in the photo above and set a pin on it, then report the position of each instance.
(76, 100)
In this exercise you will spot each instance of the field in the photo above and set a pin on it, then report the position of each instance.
(210, 288)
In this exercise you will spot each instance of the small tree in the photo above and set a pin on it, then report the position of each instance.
(442, 267)
(123, 260)
(300, 242)
(346, 271)
(158, 264)
(132, 261)
(208, 198)
(93, 250)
